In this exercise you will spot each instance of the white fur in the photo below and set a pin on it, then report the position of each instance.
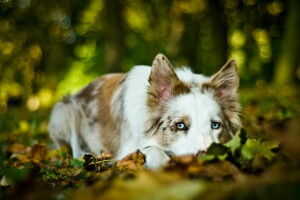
(202, 109)
(69, 124)
(136, 112)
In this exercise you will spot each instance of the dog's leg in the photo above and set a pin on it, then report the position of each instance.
(91, 137)
(63, 126)
(76, 150)
(155, 157)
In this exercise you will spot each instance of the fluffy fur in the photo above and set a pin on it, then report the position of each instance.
(158, 110)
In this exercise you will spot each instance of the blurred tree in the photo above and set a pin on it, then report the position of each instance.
(289, 56)
(202, 32)
(114, 40)
(188, 48)
(52, 47)
(216, 13)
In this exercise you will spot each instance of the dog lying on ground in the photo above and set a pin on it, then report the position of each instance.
(156, 109)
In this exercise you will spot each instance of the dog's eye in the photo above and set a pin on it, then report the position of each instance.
(181, 126)
(215, 125)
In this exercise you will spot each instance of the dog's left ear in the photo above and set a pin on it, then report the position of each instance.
(226, 81)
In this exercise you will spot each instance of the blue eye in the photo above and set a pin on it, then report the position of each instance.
(181, 126)
(215, 125)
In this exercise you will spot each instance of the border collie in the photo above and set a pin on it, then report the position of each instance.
(158, 109)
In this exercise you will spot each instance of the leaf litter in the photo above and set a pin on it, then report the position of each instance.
(261, 161)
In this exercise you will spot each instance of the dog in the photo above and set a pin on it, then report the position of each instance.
(158, 110)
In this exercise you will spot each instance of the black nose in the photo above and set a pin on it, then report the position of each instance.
(201, 152)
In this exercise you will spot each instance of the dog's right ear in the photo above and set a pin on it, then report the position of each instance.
(163, 80)
(224, 85)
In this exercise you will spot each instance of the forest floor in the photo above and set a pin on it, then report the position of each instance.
(261, 162)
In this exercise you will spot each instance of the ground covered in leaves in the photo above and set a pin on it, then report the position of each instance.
(261, 162)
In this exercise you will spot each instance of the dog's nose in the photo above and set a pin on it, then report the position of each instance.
(201, 152)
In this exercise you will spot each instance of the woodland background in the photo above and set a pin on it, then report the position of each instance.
(51, 48)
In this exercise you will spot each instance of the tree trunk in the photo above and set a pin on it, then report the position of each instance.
(219, 33)
(114, 40)
(289, 55)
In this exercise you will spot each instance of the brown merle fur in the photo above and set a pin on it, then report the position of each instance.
(102, 90)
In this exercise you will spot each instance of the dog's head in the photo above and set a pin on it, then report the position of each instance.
(186, 117)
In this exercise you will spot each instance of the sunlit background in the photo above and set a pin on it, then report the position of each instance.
(53, 47)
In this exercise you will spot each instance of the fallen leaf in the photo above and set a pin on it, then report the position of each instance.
(219, 170)
(132, 161)
(217, 149)
(234, 143)
(267, 146)
(17, 148)
(21, 158)
(77, 162)
(251, 147)
(185, 165)
(38, 153)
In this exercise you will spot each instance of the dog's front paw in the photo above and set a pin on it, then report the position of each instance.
(155, 157)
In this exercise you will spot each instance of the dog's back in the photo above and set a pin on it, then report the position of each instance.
(84, 121)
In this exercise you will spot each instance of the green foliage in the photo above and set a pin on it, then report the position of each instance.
(47, 174)
(16, 175)
(45, 44)
(76, 162)
(265, 151)
(235, 142)
(242, 150)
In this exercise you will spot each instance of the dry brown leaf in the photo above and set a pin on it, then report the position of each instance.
(18, 148)
(189, 165)
(22, 158)
(132, 161)
(38, 153)
(185, 165)
(219, 170)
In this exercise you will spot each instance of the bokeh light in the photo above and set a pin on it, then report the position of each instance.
(50, 48)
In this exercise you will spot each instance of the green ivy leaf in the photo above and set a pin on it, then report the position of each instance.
(207, 157)
(49, 175)
(58, 163)
(222, 157)
(217, 149)
(264, 149)
(235, 142)
(251, 147)
(267, 147)
(64, 154)
(76, 162)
